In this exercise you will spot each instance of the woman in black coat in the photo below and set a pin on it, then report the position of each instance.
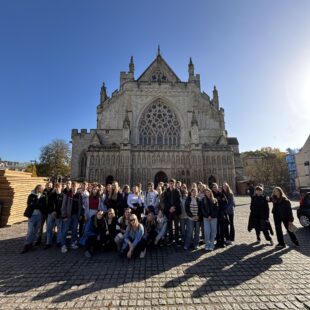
(259, 216)
(282, 213)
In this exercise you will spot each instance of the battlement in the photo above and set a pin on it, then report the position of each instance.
(83, 132)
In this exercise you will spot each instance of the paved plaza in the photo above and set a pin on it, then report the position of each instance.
(241, 276)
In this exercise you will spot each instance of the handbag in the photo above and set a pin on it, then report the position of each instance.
(291, 227)
(28, 212)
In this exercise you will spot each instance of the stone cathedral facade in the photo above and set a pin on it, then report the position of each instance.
(157, 127)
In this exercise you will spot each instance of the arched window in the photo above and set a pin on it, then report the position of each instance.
(83, 162)
(159, 126)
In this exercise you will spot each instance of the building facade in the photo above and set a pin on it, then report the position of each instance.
(156, 127)
(302, 159)
(292, 170)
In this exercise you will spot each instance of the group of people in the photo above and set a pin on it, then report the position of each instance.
(110, 218)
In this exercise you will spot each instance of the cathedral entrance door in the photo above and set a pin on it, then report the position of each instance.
(160, 177)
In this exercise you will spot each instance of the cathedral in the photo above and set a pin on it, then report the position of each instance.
(157, 127)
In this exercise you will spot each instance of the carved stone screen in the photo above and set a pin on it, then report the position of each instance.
(159, 126)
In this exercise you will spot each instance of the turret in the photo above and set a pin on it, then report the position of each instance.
(191, 70)
(103, 94)
(215, 99)
(131, 66)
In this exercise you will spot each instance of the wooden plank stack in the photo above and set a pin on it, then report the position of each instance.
(15, 186)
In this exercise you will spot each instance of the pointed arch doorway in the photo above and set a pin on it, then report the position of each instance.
(160, 177)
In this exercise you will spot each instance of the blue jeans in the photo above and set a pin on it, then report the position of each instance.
(183, 229)
(192, 227)
(51, 221)
(34, 225)
(210, 229)
(71, 222)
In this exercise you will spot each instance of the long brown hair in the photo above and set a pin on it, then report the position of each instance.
(282, 195)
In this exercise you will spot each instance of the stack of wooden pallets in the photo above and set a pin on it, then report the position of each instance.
(15, 186)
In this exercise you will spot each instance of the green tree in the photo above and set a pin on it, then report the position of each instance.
(55, 159)
(33, 169)
(269, 167)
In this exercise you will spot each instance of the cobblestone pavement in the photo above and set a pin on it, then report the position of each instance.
(241, 276)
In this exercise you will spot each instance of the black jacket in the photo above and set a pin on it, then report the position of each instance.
(222, 203)
(172, 198)
(33, 203)
(259, 215)
(282, 210)
(259, 207)
(115, 204)
(55, 203)
(209, 208)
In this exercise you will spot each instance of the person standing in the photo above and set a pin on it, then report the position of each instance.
(230, 211)
(172, 210)
(134, 202)
(222, 216)
(259, 216)
(183, 215)
(282, 213)
(151, 199)
(36, 202)
(209, 212)
(192, 208)
(71, 211)
(54, 216)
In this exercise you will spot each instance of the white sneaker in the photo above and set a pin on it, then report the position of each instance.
(142, 254)
(74, 246)
(64, 249)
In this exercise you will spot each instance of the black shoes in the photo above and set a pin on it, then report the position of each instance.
(48, 246)
(26, 248)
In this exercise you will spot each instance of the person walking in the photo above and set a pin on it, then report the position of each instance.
(282, 213)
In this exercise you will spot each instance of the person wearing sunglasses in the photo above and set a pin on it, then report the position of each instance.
(134, 244)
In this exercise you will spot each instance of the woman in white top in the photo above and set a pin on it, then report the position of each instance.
(134, 202)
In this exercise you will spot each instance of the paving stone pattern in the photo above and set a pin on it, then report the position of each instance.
(241, 276)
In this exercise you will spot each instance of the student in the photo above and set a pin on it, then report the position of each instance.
(183, 215)
(192, 208)
(161, 228)
(44, 212)
(209, 212)
(67, 187)
(35, 203)
(151, 199)
(134, 202)
(222, 216)
(134, 243)
(112, 230)
(230, 211)
(259, 216)
(71, 211)
(91, 203)
(282, 213)
(54, 215)
(123, 223)
(85, 197)
(94, 233)
(114, 198)
(172, 210)
(124, 206)
(150, 225)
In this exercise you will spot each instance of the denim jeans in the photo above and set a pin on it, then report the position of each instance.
(183, 229)
(210, 229)
(34, 225)
(192, 227)
(71, 222)
(51, 221)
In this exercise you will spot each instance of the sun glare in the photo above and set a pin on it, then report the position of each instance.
(298, 91)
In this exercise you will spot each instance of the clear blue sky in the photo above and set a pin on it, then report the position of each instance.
(54, 56)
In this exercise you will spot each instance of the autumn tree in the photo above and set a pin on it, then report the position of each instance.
(55, 159)
(268, 167)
